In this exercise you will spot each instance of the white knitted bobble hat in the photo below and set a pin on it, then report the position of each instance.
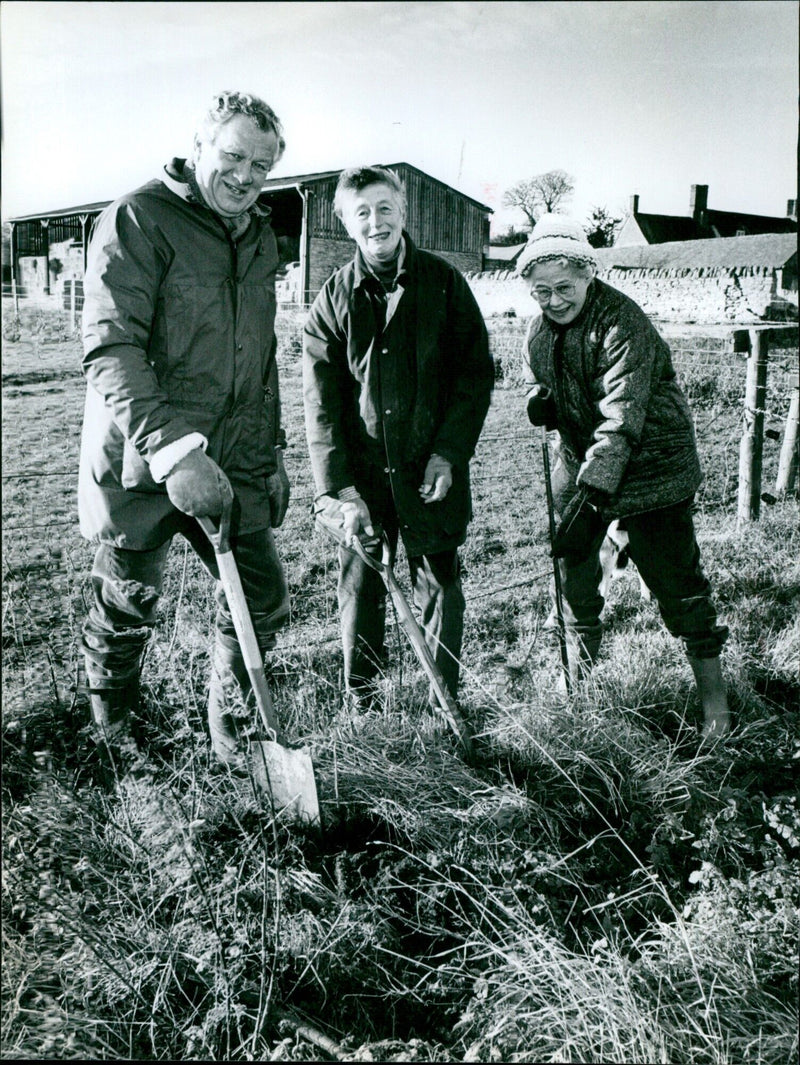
(556, 237)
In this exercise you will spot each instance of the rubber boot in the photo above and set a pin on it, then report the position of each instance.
(112, 710)
(230, 704)
(713, 698)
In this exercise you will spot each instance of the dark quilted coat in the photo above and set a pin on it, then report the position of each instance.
(178, 331)
(624, 423)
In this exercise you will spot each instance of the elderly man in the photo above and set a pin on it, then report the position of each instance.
(397, 381)
(182, 415)
(603, 377)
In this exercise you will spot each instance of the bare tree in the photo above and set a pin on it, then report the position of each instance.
(540, 195)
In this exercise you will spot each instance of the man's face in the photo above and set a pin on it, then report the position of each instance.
(374, 218)
(560, 289)
(231, 168)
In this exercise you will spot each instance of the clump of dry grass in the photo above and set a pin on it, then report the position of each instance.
(386, 768)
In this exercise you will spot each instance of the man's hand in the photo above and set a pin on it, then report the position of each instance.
(437, 480)
(541, 407)
(581, 524)
(198, 487)
(355, 519)
(278, 491)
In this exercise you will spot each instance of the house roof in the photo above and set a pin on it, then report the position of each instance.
(764, 249)
(727, 223)
(660, 228)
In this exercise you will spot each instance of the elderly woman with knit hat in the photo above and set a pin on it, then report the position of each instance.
(603, 377)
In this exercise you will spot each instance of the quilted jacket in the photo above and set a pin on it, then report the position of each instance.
(178, 333)
(624, 424)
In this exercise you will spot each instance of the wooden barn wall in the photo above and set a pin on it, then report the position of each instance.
(438, 217)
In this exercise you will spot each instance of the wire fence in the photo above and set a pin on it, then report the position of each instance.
(47, 565)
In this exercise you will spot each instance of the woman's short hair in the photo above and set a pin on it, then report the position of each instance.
(226, 105)
(584, 269)
(357, 178)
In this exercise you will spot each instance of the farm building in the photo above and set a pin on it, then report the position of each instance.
(501, 256)
(702, 223)
(48, 250)
(723, 280)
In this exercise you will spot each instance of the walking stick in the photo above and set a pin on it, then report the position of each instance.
(551, 524)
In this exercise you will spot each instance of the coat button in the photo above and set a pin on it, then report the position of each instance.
(387, 412)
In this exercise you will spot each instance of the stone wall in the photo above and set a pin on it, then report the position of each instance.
(463, 261)
(743, 295)
(326, 256)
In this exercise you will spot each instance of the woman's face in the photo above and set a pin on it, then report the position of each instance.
(560, 287)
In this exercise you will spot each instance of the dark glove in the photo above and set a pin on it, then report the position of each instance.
(541, 407)
(198, 487)
(278, 491)
(581, 524)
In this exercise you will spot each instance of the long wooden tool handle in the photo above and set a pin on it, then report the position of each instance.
(415, 634)
(245, 633)
(559, 592)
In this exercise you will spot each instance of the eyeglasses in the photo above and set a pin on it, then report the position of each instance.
(564, 291)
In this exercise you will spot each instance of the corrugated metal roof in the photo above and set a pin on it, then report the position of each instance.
(62, 212)
(763, 249)
(271, 185)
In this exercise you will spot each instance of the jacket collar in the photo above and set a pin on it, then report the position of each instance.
(406, 266)
(179, 178)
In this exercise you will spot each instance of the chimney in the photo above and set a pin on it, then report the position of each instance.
(791, 209)
(635, 203)
(698, 201)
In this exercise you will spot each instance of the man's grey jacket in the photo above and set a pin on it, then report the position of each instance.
(178, 333)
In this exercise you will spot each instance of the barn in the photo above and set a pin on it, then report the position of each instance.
(48, 250)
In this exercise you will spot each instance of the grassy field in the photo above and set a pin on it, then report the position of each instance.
(593, 889)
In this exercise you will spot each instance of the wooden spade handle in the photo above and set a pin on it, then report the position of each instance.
(245, 633)
(411, 625)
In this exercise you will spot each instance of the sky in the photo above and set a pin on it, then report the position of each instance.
(638, 96)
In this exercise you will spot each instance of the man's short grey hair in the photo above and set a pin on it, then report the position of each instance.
(357, 178)
(226, 105)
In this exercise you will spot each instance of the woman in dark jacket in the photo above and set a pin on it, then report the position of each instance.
(603, 376)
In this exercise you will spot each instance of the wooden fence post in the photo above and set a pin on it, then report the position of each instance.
(787, 463)
(752, 445)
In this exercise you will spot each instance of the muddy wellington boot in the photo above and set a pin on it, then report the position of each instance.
(113, 710)
(230, 705)
(713, 698)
